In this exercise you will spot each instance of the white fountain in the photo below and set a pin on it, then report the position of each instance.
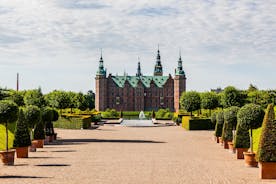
(141, 122)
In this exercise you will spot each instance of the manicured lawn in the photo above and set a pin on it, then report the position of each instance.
(3, 136)
(256, 138)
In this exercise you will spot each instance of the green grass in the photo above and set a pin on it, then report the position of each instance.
(3, 136)
(256, 138)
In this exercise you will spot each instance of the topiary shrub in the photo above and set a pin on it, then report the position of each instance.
(219, 124)
(39, 132)
(230, 122)
(214, 118)
(21, 134)
(55, 115)
(32, 115)
(47, 117)
(250, 117)
(242, 138)
(8, 114)
(267, 144)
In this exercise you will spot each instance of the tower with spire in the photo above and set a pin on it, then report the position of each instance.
(179, 83)
(139, 73)
(158, 69)
(101, 86)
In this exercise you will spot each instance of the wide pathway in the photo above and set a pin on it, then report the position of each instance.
(114, 154)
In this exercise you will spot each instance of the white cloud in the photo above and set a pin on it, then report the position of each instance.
(66, 35)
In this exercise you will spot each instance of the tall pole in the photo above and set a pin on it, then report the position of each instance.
(17, 82)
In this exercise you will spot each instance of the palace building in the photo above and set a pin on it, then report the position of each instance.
(140, 92)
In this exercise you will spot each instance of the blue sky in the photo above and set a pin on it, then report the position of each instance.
(56, 44)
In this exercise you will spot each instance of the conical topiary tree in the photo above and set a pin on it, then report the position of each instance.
(230, 122)
(219, 124)
(21, 134)
(267, 144)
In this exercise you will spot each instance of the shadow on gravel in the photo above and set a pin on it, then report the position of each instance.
(109, 141)
(18, 177)
(42, 157)
(53, 165)
(19, 165)
(64, 151)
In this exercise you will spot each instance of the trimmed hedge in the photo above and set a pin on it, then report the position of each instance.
(73, 122)
(197, 124)
(267, 148)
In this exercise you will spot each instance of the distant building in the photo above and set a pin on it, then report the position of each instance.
(218, 90)
(139, 92)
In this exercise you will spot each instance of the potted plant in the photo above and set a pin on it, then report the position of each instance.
(267, 148)
(8, 114)
(47, 116)
(241, 140)
(214, 121)
(230, 121)
(39, 134)
(33, 117)
(250, 117)
(21, 136)
(55, 118)
(219, 125)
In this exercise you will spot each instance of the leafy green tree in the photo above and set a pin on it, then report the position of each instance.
(250, 117)
(16, 97)
(90, 99)
(58, 99)
(262, 98)
(34, 97)
(267, 148)
(8, 114)
(190, 101)
(209, 100)
(231, 97)
(4, 93)
(80, 101)
(21, 134)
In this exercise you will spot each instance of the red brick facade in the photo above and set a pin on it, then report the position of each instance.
(136, 93)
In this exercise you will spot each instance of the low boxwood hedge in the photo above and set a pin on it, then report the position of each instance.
(73, 122)
(197, 124)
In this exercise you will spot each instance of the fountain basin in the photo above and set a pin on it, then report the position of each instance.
(138, 123)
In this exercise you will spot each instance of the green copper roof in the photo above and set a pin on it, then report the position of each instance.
(179, 70)
(159, 81)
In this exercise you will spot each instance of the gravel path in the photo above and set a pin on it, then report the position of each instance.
(114, 154)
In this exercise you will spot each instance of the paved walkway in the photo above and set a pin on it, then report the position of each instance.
(113, 154)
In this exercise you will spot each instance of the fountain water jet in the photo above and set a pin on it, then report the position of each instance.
(141, 122)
